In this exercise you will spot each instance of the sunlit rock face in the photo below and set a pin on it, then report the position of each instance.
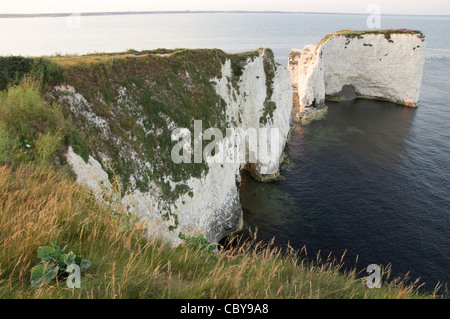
(385, 65)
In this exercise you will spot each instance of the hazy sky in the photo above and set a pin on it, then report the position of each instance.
(353, 6)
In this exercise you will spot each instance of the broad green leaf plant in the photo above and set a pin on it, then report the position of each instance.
(197, 243)
(54, 263)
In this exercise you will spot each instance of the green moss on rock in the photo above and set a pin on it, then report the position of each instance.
(270, 68)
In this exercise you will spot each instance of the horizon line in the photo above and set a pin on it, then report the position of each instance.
(105, 13)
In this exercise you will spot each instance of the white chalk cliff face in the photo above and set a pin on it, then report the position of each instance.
(307, 76)
(381, 65)
(213, 207)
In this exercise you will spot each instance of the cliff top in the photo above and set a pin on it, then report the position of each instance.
(359, 34)
(136, 94)
(100, 57)
(73, 59)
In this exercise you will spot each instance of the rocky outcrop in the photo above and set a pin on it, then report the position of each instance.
(385, 65)
(251, 92)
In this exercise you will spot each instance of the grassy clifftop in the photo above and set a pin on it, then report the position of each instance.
(360, 34)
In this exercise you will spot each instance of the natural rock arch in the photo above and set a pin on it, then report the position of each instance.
(384, 64)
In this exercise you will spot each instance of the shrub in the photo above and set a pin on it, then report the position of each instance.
(199, 243)
(7, 145)
(47, 146)
(54, 263)
(32, 129)
(14, 68)
(79, 145)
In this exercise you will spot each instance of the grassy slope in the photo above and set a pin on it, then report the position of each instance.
(40, 203)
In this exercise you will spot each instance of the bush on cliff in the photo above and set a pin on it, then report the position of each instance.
(33, 129)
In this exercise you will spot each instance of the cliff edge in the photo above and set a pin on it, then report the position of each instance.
(133, 110)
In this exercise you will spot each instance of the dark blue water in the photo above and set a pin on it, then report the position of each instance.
(371, 178)
(360, 182)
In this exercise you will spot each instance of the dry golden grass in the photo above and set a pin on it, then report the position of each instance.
(71, 60)
(39, 205)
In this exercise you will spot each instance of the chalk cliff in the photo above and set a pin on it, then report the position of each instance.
(131, 127)
(383, 64)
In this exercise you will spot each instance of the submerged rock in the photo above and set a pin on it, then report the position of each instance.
(310, 114)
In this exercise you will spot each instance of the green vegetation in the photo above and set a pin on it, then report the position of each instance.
(136, 93)
(199, 243)
(270, 70)
(137, 96)
(140, 96)
(54, 264)
(14, 68)
(39, 204)
(32, 128)
(238, 62)
(310, 115)
(79, 145)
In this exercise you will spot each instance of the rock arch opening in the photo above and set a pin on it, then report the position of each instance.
(347, 93)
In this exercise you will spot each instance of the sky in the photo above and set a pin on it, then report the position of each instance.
(441, 7)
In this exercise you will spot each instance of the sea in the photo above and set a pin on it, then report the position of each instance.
(370, 181)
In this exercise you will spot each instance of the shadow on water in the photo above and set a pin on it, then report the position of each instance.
(347, 188)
